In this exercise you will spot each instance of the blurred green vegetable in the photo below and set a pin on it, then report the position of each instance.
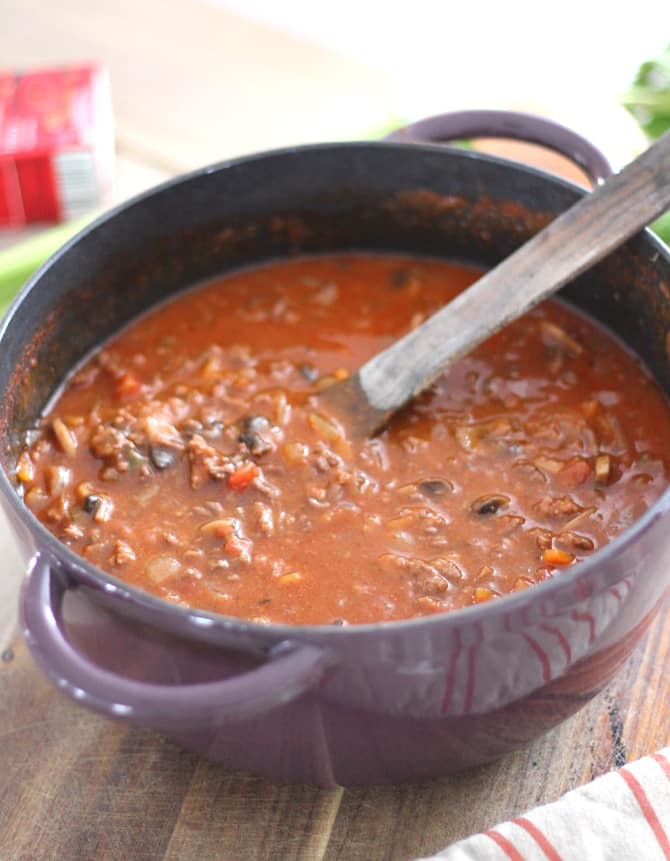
(19, 261)
(662, 227)
(648, 100)
(391, 124)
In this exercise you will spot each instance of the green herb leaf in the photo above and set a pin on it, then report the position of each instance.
(648, 100)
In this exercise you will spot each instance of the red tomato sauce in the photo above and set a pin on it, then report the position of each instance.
(189, 457)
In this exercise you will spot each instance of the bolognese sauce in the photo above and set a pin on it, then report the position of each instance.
(190, 456)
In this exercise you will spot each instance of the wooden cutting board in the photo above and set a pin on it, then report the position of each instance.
(75, 786)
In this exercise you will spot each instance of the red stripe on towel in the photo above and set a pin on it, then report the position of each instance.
(649, 813)
(541, 839)
(505, 845)
(663, 762)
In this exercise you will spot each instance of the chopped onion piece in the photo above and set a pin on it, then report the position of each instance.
(555, 336)
(58, 478)
(66, 439)
(162, 568)
(603, 468)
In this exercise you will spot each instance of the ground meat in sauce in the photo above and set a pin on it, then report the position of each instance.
(190, 458)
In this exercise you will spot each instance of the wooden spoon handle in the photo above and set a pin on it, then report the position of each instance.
(570, 244)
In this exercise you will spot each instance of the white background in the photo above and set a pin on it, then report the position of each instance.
(569, 59)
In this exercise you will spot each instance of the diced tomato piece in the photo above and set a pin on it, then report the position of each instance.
(239, 548)
(243, 476)
(575, 472)
(128, 385)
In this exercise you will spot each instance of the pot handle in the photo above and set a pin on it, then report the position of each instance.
(291, 669)
(509, 124)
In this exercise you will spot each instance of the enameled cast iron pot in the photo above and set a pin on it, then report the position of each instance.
(360, 704)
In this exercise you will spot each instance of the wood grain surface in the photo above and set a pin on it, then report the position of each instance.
(76, 786)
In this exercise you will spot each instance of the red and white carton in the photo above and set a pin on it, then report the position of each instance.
(56, 143)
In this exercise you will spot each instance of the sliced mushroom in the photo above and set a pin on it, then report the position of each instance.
(162, 456)
(90, 503)
(435, 487)
(309, 372)
(253, 433)
(103, 510)
(490, 503)
(574, 540)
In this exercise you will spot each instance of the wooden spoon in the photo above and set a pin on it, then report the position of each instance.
(570, 244)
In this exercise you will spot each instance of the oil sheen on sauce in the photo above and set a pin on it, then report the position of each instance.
(190, 458)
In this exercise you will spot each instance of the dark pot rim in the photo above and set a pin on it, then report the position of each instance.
(161, 610)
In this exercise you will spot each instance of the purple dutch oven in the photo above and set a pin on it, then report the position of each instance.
(326, 705)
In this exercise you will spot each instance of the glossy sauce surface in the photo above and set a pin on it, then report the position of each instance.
(191, 458)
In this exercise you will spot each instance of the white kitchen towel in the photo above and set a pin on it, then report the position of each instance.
(621, 816)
